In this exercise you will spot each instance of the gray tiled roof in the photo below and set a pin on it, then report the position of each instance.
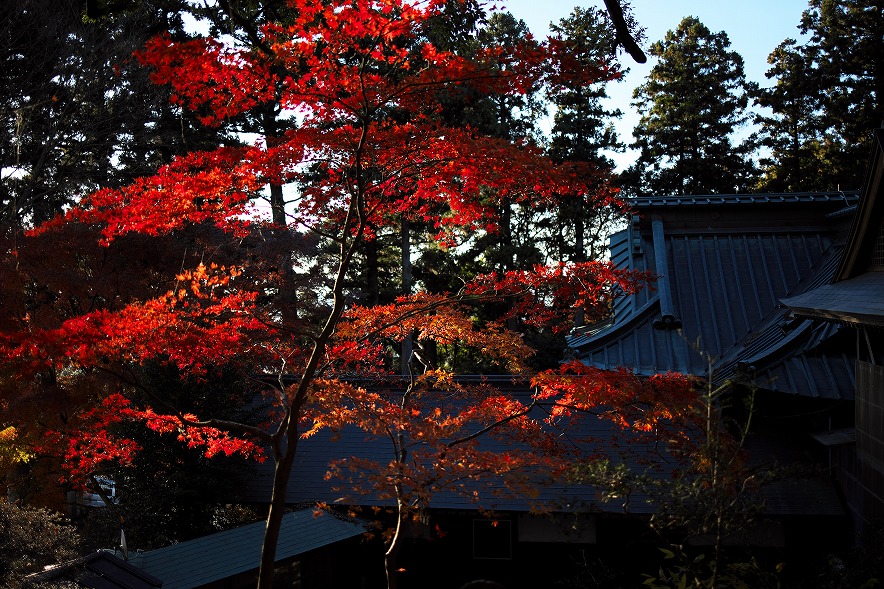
(855, 294)
(720, 199)
(222, 555)
(856, 301)
(309, 482)
(728, 262)
(99, 570)
(596, 437)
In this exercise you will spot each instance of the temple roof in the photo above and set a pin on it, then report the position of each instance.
(856, 301)
(219, 556)
(592, 435)
(99, 570)
(723, 264)
(854, 295)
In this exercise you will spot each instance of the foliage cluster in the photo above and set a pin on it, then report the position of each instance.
(315, 193)
(181, 271)
(809, 130)
(31, 538)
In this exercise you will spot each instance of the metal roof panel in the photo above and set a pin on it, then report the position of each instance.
(225, 554)
(726, 287)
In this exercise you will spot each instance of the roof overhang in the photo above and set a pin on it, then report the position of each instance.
(871, 209)
(856, 301)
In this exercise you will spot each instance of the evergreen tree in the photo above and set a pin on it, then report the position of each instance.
(848, 58)
(582, 132)
(506, 116)
(827, 98)
(582, 127)
(76, 108)
(793, 133)
(692, 105)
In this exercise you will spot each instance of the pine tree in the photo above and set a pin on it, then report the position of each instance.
(582, 126)
(505, 116)
(583, 131)
(692, 105)
(76, 109)
(793, 132)
(827, 98)
(846, 45)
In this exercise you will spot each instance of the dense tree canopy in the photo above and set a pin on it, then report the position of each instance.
(182, 269)
(693, 105)
(77, 112)
(794, 133)
(850, 65)
(582, 127)
(583, 131)
(827, 98)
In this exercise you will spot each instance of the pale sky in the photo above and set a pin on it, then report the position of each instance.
(755, 28)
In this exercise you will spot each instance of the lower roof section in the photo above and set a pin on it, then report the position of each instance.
(219, 556)
(856, 301)
(313, 481)
(723, 264)
(99, 570)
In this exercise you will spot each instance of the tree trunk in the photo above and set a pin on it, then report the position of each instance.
(392, 554)
(281, 476)
(270, 126)
(372, 280)
(407, 343)
(579, 250)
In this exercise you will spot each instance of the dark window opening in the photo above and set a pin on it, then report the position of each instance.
(492, 539)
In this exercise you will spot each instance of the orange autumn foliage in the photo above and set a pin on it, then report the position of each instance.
(226, 286)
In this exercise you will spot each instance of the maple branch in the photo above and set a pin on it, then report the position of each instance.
(354, 212)
(228, 425)
(285, 328)
(577, 408)
(367, 111)
(490, 427)
(489, 74)
(418, 311)
(288, 426)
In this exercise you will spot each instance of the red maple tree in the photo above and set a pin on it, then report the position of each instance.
(367, 148)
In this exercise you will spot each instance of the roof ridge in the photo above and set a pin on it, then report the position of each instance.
(846, 196)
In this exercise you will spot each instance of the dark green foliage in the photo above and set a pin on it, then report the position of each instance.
(527, 236)
(690, 568)
(77, 111)
(172, 493)
(514, 116)
(794, 134)
(31, 539)
(582, 126)
(515, 245)
(376, 276)
(455, 29)
(497, 115)
(850, 68)
(583, 131)
(692, 104)
(827, 99)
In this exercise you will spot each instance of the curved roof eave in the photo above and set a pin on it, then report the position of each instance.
(616, 330)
